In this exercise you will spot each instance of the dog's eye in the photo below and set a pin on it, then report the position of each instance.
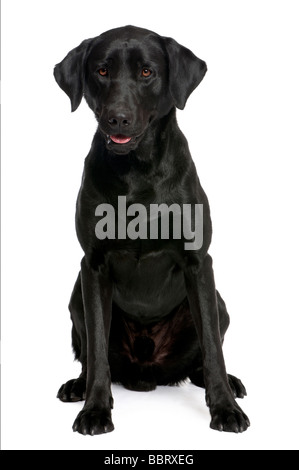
(146, 72)
(103, 72)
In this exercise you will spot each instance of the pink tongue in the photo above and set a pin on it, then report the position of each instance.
(120, 139)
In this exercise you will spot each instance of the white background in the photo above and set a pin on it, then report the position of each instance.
(242, 128)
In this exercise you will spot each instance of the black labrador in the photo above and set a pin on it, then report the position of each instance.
(145, 310)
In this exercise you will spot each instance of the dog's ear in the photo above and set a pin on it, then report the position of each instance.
(69, 73)
(186, 71)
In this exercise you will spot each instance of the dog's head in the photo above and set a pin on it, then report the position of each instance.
(129, 77)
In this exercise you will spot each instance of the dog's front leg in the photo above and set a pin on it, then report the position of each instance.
(95, 417)
(226, 413)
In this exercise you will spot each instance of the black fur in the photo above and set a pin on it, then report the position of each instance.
(145, 312)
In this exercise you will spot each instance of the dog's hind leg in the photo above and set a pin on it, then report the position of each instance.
(74, 389)
(238, 389)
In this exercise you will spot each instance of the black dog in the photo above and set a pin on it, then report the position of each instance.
(145, 310)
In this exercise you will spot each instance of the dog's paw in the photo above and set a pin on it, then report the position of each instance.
(73, 390)
(230, 418)
(93, 421)
(238, 389)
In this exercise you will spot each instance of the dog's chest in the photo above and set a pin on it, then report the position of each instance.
(146, 286)
(128, 267)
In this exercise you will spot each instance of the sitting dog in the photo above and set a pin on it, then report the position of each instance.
(144, 308)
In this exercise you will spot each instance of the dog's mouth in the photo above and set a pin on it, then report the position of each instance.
(121, 144)
(119, 139)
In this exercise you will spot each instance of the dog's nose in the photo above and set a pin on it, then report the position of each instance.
(120, 119)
